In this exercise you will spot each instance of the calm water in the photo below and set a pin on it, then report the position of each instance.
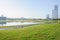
(17, 23)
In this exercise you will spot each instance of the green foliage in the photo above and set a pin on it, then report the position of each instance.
(35, 32)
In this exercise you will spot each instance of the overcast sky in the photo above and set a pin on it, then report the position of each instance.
(27, 8)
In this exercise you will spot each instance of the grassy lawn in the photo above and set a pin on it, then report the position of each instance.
(35, 32)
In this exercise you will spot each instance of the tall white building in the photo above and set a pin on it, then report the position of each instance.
(55, 12)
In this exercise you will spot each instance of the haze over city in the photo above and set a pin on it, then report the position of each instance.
(28, 8)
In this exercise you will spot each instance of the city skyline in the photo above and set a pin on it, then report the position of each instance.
(28, 8)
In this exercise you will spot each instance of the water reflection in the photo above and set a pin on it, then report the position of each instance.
(2, 23)
(17, 23)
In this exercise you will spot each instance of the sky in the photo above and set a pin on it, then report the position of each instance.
(28, 8)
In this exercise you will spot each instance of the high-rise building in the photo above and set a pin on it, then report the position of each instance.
(47, 17)
(55, 12)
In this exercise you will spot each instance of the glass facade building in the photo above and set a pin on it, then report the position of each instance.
(55, 12)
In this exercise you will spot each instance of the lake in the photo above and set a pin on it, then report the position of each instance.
(17, 23)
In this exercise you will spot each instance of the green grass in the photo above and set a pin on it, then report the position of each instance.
(35, 32)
